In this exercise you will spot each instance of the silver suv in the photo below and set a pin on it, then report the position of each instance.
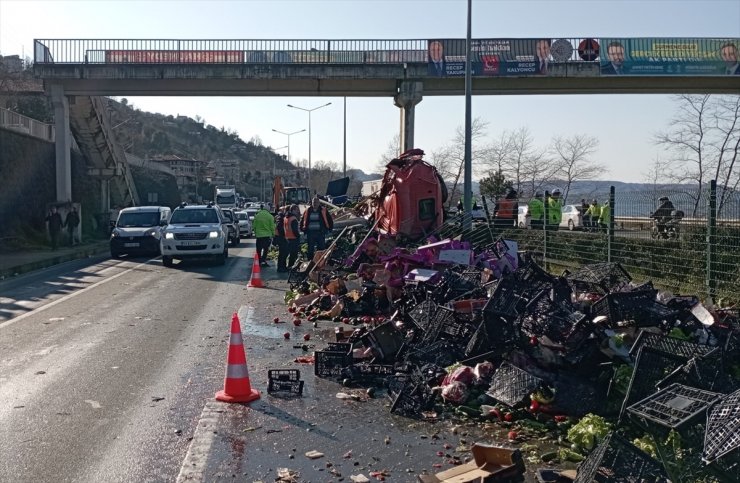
(197, 231)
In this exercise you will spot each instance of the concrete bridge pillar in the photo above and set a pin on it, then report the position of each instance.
(409, 95)
(63, 144)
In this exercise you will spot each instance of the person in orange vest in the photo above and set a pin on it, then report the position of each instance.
(315, 224)
(506, 210)
(292, 237)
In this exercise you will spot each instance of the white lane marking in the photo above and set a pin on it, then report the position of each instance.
(94, 404)
(73, 294)
(194, 465)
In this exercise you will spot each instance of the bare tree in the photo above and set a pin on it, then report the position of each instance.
(572, 158)
(526, 163)
(450, 159)
(703, 141)
(655, 175)
(391, 152)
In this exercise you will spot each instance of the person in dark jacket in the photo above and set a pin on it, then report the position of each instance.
(54, 219)
(316, 223)
(663, 213)
(71, 222)
(292, 234)
(279, 241)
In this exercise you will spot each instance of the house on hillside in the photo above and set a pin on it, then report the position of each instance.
(187, 171)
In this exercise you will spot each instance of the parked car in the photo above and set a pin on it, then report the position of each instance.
(137, 230)
(572, 218)
(523, 220)
(232, 223)
(245, 224)
(195, 231)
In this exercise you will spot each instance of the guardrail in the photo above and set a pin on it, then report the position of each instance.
(26, 125)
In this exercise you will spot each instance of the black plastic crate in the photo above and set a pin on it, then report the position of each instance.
(617, 460)
(423, 313)
(651, 367)
(494, 334)
(639, 307)
(555, 321)
(442, 353)
(722, 434)
(367, 372)
(412, 399)
(330, 364)
(599, 277)
(339, 347)
(674, 407)
(576, 397)
(284, 381)
(534, 277)
(512, 385)
(669, 345)
(507, 299)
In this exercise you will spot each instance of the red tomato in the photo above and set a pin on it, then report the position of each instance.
(512, 435)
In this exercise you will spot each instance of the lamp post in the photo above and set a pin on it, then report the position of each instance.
(273, 160)
(309, 111)
(468, 179)
(289, 134)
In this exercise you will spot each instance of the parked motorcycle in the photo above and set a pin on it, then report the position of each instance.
(667, 228)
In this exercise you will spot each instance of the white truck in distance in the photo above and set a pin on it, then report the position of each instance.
(225, 196)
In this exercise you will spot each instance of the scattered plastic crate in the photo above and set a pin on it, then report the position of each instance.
(284, 381)
(722, 434)
(507, 299)
(368, 372)
(674, 407)
(442, 353)
(599, 277)
(412, 399)
(651, 367)
(637, 306)
(576, 397)
(669, 345)
(618, 460)
(329, 364)
(512, 385)
(422, 314)
(556, 322)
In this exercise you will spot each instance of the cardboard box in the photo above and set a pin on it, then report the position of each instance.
(490, 464)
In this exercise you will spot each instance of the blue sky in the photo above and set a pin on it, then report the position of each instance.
(624, 124)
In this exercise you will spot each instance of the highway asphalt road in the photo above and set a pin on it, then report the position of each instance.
(105, 374)
(109, 374)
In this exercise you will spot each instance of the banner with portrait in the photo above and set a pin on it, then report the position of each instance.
(499, 57)
(669, 56)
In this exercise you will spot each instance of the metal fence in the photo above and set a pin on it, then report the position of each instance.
(703, 257)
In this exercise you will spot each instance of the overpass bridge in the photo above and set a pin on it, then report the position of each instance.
(404, 70)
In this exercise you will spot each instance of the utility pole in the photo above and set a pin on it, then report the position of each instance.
(468, 180)
(344, 164)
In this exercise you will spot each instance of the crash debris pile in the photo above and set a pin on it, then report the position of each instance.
(622, 377)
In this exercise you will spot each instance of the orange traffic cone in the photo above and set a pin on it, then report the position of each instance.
(236, 384)
(256, 280)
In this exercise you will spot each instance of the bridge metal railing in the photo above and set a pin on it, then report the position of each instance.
(367, 51)
(18, 122)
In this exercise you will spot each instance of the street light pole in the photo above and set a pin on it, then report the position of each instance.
(344, 156)
(468, 180)
(289, 134)
(309, 111)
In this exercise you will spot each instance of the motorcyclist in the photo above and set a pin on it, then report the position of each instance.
(663, 214)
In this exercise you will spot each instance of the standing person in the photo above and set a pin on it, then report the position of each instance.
(536, 211)
(593, 213)
(554, 210)
(315, 224)
(71, 222)
(263, 226)
(605, 217)
(279, 241)
(291, 227)
(506, 210)
(584, 214)
(55, 226)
